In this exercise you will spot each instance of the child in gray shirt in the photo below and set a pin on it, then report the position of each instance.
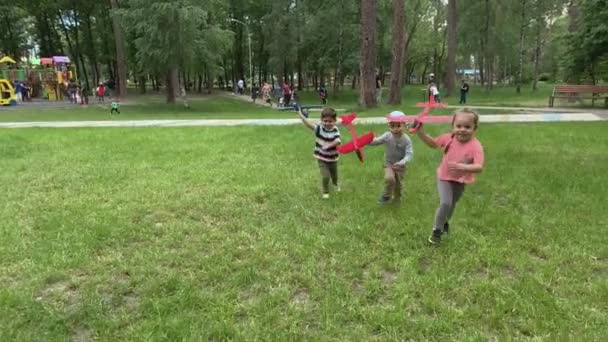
(398, 152)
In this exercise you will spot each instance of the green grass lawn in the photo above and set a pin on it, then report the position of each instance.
(223, 106)
(190, 234)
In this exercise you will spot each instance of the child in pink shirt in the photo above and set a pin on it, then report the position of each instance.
(462, 159)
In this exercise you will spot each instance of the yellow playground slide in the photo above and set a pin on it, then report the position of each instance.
(7, 93)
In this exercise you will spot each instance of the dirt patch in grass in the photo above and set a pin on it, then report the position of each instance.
(538, 254)
(301, 297)
(389, 277)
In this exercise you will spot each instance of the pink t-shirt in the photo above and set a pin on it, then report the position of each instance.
(470, 152)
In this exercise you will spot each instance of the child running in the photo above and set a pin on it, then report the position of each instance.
(462, 158)
(398, 152)
(327, 137)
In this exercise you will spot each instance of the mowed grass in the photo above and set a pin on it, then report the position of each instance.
(188, 234)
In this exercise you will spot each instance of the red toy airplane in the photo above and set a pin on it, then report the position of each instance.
(357, 143)
(423, 117)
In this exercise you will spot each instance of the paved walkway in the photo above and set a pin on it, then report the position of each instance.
(545, 110)
(556, 117)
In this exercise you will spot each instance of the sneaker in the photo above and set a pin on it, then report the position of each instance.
(446, 228)
(337, 188)
(383, 199)
(435, 238)
(325, 196)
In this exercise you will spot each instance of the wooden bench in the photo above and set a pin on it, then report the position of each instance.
(577, 92)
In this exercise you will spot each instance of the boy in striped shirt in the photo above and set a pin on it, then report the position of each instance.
(327, 138)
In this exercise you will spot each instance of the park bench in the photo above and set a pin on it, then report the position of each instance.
(577, 92)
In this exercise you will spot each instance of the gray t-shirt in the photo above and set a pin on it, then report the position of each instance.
(396, 150)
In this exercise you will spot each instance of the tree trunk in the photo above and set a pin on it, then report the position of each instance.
(339, 57)
(539, 26)
(77, 23)
(488, 51)
(69, 41)
(121, 58)
(142, 84)
(367, 63)
(522, 31)
(451, 60)
(398, 50)
(92, 52)
(171, 85)
(209, 82)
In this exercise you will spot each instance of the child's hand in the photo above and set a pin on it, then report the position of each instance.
(398, 166)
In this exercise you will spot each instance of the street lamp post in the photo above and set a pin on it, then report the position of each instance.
(249, 43)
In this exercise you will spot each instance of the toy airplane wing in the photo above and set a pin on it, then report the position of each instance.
(416, 124)
(436, 119)
(355, 145)
(347, 119)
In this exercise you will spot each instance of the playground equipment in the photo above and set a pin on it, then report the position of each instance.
(7, 93)
(47, 76)
(55, 75)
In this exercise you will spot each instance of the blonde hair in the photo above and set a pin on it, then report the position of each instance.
(469, 112)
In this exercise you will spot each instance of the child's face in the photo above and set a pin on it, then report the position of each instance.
(463, 126)
(328, 122)
(396, 127)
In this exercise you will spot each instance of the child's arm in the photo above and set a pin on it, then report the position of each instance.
(427, 138)
(379, 140)
(332, 144)
(305, 121)
(472, 168)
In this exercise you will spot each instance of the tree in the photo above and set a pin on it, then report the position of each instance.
(368, 54)
(121, 57)
(397, 51)
(168, 36)
(451, 60)
(522, 51)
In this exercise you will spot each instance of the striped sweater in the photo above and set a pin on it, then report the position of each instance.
(323, 138)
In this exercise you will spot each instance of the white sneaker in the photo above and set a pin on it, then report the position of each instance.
(337, 188)
(325, 196)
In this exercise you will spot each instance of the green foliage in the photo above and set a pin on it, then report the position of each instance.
(587, 47)
(173, 34)
(13, 34)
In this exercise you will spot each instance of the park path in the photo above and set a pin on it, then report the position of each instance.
(532, 115)
(502, 118)
(524, 110)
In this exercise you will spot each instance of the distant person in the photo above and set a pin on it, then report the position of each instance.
(464, 90)
(254, 92)
(72, 89)
(18, 90)
(286, 94)
(115, 106)
(101, 92)
(434, 92)
(25, 92)
(323, 94)
(240, 86)
(378, 88)
(266, 89)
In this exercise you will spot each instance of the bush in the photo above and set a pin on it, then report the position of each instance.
(544, 77)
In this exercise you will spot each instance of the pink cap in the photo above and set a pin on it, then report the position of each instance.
(396, 116)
